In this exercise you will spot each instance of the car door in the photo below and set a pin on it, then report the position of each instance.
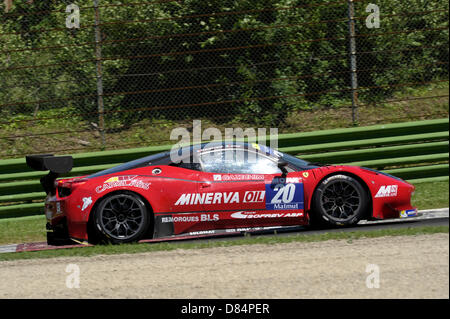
(241, 188)
(174, 186)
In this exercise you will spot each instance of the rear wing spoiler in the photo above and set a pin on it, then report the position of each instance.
(55, 164)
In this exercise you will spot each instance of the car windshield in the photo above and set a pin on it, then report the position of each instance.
(144, 161)
(295, 161)
(238, 161)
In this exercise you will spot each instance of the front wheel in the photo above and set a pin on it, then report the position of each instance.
(339, 200)
(121, 218)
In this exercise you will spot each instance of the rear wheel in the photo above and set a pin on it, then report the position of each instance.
(121, 218)
(339, 200)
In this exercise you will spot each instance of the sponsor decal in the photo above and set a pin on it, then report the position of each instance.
(239, 177)
(284, 195)
(180, 219)
(115, 179)
(284, 180)
(58, 208)
(87, 201)
(256, 146)
(253, 215)
(305, 174)
(208, 198)
(408, 213)
(202, 232)
(217, 177)
(387, 191)
(209, 217)
(233, 230)
(267, 150)
(253, 197)
(220, 198)
(122, 181)
(191, 218)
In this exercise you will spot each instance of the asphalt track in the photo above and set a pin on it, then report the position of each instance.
(433, 217)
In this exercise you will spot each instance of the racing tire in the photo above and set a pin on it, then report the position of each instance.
(339, 200)
(121, 218)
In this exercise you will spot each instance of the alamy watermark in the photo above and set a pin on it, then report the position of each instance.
(256, 137)
(73, 279)
(73, 19)
(373, 19)
(373, 279)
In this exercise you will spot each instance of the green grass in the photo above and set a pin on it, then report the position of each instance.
(22, 229)
(32, 229)
(248, 240)
(431, 195)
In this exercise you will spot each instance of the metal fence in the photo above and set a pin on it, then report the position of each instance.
(89, 75)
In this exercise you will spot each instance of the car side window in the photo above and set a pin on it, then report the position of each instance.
(237, 161)
(188, 163)
(192, 166)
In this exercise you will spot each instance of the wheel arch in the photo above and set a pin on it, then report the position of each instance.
(90, 224)
(368, 214)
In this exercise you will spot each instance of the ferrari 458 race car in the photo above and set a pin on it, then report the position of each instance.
(212, 189)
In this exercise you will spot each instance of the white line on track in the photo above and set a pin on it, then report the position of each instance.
(8, 248)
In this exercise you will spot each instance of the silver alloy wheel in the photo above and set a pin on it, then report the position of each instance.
(122, 216)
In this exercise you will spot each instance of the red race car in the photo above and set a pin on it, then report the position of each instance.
(212, 189)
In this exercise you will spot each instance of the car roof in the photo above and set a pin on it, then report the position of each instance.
(164, 158)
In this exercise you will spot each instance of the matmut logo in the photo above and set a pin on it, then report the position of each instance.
(387, 191)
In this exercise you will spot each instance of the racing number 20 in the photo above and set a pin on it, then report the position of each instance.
(285, 193)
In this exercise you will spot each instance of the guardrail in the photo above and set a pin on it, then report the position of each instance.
(415, 151)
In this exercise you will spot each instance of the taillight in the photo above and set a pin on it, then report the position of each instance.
(64, 191)
(65, 188)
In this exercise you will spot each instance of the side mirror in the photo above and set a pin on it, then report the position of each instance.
(282, 166)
